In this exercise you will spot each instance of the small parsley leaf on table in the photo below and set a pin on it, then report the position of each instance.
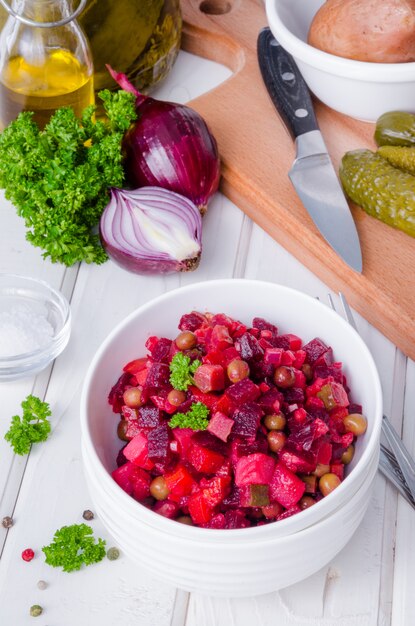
(74, 546)
(32, 427)
(181, 370)
(196, 418)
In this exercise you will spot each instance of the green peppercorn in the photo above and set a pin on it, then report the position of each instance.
(88, 515)
(113, 554)
(36, 610)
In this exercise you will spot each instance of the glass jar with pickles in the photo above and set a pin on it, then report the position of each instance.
(140, 38)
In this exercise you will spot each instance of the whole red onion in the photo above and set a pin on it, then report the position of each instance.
(170, 146)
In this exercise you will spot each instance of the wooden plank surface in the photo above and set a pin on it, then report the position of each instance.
(257, 152)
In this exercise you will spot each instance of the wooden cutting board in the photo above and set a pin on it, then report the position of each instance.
(257, 152)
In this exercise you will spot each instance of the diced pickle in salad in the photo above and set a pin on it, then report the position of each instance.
(232, 426)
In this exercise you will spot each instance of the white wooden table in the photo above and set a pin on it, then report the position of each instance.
(369, 583)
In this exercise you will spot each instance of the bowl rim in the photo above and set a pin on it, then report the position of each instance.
(326, 62)
(12, 364)
(193, 532)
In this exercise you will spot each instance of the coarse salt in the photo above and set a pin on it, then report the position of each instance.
(23, 330)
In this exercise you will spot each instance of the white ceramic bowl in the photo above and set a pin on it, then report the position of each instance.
(356, 88)
(243, 561)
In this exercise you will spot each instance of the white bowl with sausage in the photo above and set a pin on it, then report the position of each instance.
(360, 89)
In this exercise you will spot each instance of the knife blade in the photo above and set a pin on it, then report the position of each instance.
(312, 173)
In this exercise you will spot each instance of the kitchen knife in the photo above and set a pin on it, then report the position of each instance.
(312, 172)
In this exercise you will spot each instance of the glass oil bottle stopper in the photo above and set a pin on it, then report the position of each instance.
(45, 60)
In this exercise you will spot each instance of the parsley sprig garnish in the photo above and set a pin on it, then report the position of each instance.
(58, 178)
(181, 370)
(74, 546)
(32, 427)
(196, 418)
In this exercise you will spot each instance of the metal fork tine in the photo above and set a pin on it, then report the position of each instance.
(392, 472)
(347, 310)
(402, 455)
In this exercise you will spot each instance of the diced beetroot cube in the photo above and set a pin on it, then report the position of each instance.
(273, 355)
(214, 358)
(136, 451)
(207, 440)
(159, 348)
(261, 324)
(247, 419)
(315, 349)
(121, 458)
(184, 438)
(166, 508)
(263, 341)
(300, 379)
(209, 378)
(149, 417)
(203, 334)
(224, 405)
(115, 396)
(313, 403)
(347, 439)
(179, 482)
(237, 329)
(236, 519)
(281, 341)
(205, 460)
(297, 462)
(158, 375)
(324, 453)
(338, 469)
(289, 513)
(254, 469)
(325, 371)
(200, 510)
(249, 347)
(339, 413)
(243, 391)
(285, 487)
(320, 428)
(220, 339)
(133, 480)
(158, 443)
(199, 396)
(294, 395)
(325, 359)
(254, 495)
(287, 357)
(300, 416)
(163, 404)
(264, 387)
(225, 469)
(141, 377)
(300, 357)
(295, 342)
(230, 354)
(222, 320)
(192, 321)
(216, 490)
(218, 521)
(355, 408)
(133, 367)
(220, 425)
(270, 402)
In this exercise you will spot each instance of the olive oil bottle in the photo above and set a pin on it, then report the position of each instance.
(45, 61)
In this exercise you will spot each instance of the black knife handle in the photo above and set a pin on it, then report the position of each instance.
(285, 84)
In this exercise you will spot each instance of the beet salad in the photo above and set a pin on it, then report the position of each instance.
(231, 426)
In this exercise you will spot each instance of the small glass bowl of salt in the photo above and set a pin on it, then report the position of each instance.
(35, 325)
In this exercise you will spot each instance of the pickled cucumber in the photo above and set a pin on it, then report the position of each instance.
(395, 128)
(383, 191)
(399, 156)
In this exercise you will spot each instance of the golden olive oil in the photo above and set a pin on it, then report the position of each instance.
(56, 80)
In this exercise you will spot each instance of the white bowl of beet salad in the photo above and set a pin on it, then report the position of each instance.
(230, 435)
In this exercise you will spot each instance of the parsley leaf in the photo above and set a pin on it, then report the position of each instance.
(181, 370)
(32, 427)
(58, 178)
(73, 546)
(196, 418)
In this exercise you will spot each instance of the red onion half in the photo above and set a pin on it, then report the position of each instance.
(170, 146)
(151, 230)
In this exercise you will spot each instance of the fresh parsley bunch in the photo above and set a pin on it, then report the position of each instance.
(32, 427)
(74, 546)
(58, 178)
(196, 418)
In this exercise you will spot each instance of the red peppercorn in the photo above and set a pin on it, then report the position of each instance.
(28, 554)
